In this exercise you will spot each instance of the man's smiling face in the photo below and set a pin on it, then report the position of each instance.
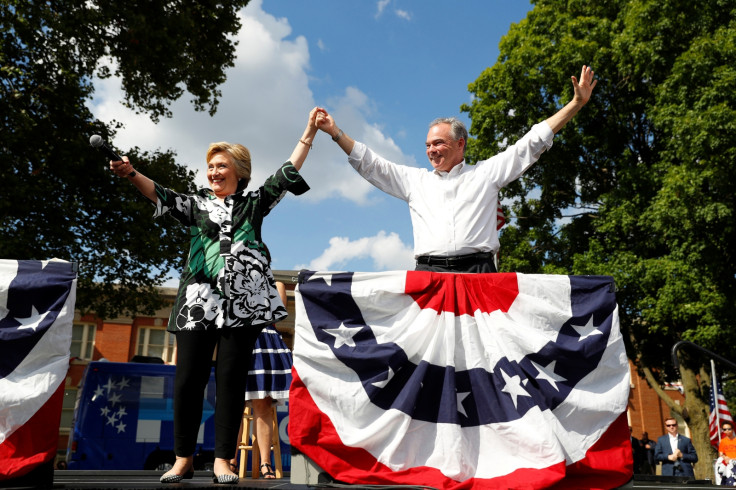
(442, 150)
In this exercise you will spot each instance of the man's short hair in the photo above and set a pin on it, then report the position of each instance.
(457, 128)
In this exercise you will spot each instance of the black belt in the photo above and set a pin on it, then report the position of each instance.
(454, 261)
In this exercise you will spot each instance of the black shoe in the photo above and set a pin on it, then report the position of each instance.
(174, 478)
(268, 474)
(225, 479)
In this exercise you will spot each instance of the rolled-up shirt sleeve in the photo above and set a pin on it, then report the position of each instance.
(517, 158)
(388, 176)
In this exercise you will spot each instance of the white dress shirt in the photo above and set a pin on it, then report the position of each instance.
(453, 213)
(673, 443)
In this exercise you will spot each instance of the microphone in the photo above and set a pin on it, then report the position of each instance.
(96, 141)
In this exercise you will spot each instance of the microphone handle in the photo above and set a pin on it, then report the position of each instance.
(110, 153)
(114, 156)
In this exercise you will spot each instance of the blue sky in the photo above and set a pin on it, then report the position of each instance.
(383, 68)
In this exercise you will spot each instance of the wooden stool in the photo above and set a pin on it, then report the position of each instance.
(249, 442)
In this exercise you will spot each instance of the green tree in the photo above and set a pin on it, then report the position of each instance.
(57, 197)
(637, 186)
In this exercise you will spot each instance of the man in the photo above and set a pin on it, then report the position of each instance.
(675, 451)
(454, 207)
(726, 463)
(648, 459)
(636, 449)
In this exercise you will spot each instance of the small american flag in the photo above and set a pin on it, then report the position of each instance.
(719, 416)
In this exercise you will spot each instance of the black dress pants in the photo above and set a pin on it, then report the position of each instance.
(193, 366)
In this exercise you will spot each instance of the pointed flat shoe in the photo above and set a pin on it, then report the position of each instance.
(225, 479)
(174, 478)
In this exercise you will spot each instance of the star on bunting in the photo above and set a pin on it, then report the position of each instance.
(513, 387)
(548, 374)
(343, 335)
(382, 384)
(460, 398)
(586, 330)
(33, 321)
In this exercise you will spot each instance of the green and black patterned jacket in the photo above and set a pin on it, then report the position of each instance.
(227, 281)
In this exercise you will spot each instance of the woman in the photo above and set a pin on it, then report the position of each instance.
(269, 379)
(226, 292)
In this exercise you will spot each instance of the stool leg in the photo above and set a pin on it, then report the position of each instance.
(256, 471)
(276, 444)
(244, 439)
(241, 448)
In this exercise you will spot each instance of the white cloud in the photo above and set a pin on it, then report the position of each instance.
(388, 252)
(264, 105)
(403, 14)
(381, 7)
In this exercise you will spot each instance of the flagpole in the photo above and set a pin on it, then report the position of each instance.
(714, 391)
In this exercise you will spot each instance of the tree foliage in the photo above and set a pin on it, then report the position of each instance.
(58, 199)
(637, 186)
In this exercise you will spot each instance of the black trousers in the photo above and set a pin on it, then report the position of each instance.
(474, 263)
(193, 365)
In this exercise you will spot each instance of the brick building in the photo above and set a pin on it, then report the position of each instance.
(120, 339)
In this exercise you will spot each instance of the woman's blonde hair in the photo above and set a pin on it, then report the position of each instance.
(240, 156)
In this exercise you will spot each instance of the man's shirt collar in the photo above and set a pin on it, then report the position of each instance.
(453, 171)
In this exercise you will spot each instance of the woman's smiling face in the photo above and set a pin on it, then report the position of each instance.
(221, 174)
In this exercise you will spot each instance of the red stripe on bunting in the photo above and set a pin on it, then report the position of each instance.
(609, 463)
(462, 294)
(312, 433)
(35, 442)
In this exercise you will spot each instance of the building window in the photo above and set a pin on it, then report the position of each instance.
(156, 342)
(83, 340)
(67, 410)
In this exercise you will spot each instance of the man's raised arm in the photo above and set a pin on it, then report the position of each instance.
(583, 89)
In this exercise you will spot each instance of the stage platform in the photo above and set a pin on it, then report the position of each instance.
(148, 480)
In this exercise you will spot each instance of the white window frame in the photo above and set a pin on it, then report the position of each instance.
(68, 406)
(143, 343)
(87, 348)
